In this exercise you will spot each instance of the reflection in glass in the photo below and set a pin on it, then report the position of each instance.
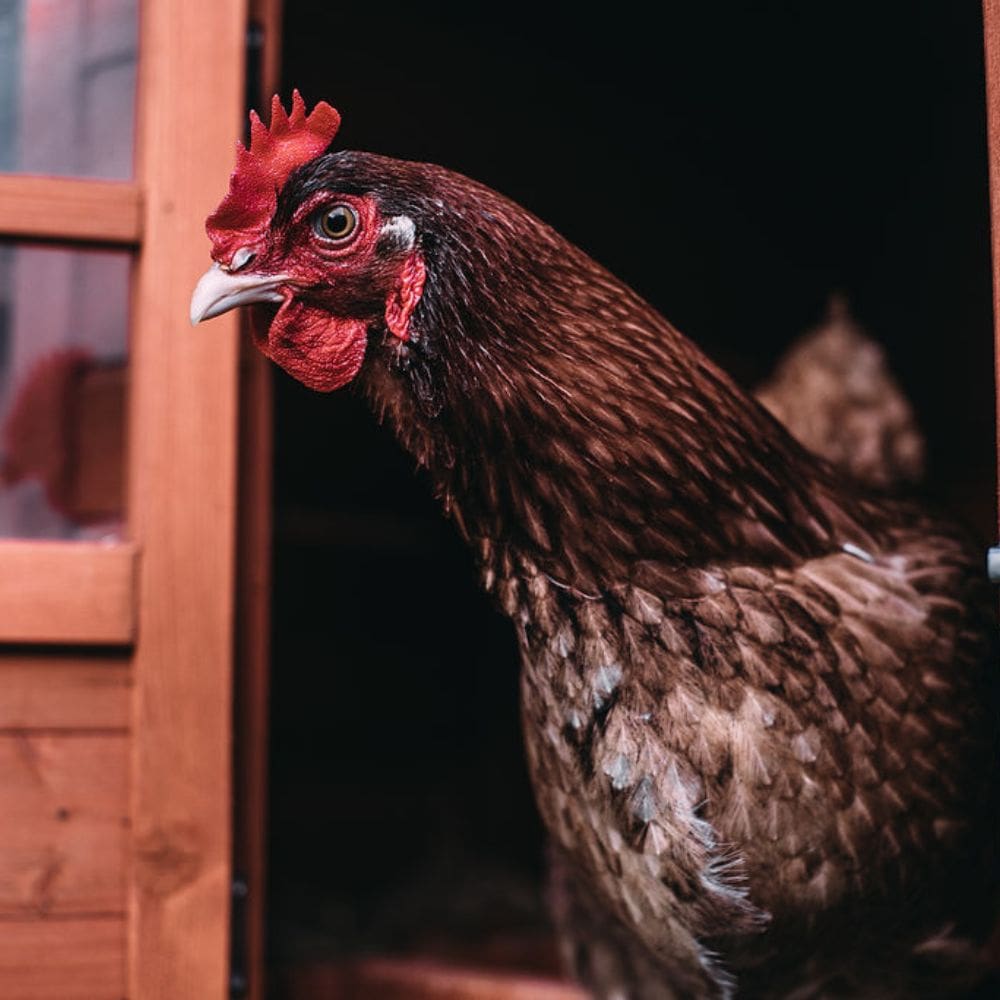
(63, 336)
(67, 86)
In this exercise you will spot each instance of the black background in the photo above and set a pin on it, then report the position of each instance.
(736, 164)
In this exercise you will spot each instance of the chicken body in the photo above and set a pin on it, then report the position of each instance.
(757, 703)
(751, 782)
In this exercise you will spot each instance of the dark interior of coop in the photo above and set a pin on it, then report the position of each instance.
(740, 168)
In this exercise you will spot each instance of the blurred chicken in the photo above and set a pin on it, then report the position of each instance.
(65, 431)
(834, 392)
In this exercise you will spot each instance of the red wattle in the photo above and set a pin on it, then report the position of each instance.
(323, 352)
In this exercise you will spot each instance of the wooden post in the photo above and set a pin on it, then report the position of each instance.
(182, 509)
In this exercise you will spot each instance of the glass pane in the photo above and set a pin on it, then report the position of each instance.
(67, 86)
(63, 346)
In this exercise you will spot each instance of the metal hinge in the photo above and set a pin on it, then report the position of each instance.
(239, 981)
(993, 563)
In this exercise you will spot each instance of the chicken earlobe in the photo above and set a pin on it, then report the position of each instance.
(405, 295)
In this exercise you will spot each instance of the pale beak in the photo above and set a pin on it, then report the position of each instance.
(219, 291)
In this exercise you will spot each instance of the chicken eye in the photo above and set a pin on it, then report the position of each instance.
(336, 222)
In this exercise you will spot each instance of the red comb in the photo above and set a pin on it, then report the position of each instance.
(275, 152)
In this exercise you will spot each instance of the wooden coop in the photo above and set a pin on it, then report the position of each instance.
(135, 528)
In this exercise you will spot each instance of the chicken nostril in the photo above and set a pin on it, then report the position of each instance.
(241, 258)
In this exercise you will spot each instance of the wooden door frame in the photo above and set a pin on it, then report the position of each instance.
(183, 425)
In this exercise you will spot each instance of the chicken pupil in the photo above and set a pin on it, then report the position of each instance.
(338, 221)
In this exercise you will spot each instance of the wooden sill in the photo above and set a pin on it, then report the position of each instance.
(57, 208)
(67, 592)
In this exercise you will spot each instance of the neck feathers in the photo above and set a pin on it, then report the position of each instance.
(566, 423)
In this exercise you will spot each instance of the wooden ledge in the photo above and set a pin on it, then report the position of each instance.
(67, 592)
(58, 208)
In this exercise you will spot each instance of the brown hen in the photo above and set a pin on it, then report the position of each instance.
(758, 702)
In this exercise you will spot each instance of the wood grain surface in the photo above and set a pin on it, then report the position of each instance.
(182, 509)
(67, 592)
(69, 209)
(63, 799)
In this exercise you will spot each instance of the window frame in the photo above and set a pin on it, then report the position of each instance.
(69, 592)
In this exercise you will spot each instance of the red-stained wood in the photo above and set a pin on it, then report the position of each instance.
(181, 509)
(67, 592)
(75, 959)
(253, 641)
(51, 691)
(254, 590)
(991, 27)
(69, 209)
(63, 799)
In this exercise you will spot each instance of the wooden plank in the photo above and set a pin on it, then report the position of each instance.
(63, 800)
(991, 27)
(412, 979)
(58, 208)
(182, 503)
(40, 691)
(81, 959)
(67, 592)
